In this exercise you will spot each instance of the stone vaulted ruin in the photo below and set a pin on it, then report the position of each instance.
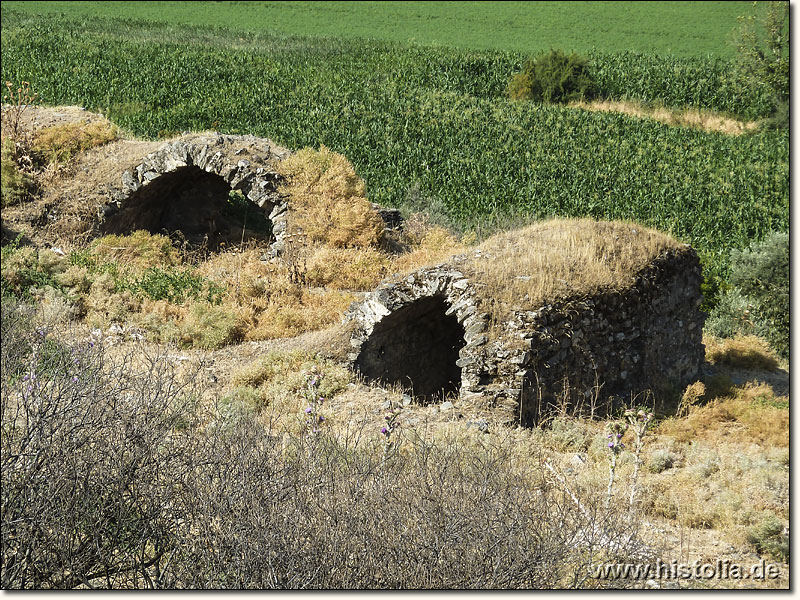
(429, 333)
(214, 189)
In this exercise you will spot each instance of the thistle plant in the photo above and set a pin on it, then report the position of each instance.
(15, 102)
(615, 429)
(639, 419)
(311, 393)
(392, 418)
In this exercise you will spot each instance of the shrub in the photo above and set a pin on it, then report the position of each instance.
(174, 285)
(22, 271)
(112, 477)
(210, 327)
(661, 460)
(568, 435)
(555, 77)
(98, 502)
(758, 302)
(762, 46)
(743, 352)
(17, 184)
(767, 537)
(138, 250)
(347, 268)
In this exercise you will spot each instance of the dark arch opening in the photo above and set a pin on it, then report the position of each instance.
(199, 205)
(416, 347)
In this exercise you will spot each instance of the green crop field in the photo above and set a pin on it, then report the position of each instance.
(679, 28)
(431, 127)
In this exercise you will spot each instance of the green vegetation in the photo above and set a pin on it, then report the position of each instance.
(679, 28)
(762, 57)
(768, 537)
(554, 77)
(758, 302)
(17, 185)
(433, 123)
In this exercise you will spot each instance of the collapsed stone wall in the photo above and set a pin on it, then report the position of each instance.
(576, 351)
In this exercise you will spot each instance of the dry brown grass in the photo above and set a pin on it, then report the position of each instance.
(743, 352)
(561, 258)
(271, 302)
(428, 245)
(138, 251)
(347, 268)
(59, 143)
(328, 200)
(749, 414)
(692, 118)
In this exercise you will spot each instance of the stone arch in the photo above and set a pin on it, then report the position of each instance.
(417, 347)
(583, 352)
(423, 333)
(186, 186)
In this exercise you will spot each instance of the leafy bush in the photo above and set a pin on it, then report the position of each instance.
(768, 537)
(762, 46)
(555, 77)
(174, 285)
(24, 269)
(758, 302)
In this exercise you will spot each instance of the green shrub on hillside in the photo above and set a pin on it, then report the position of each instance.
(555, 77)
(758, 302)
(762, 47)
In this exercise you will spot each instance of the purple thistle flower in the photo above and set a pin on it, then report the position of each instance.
(308, 410)
(25, 378)
(321, 418)
(611, 445)
(384, 431)
(75, 379)
(619, 435)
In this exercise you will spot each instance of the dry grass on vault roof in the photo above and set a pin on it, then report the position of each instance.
(562, 258)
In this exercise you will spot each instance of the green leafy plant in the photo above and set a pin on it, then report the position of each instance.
(768, 537)
(758, 302)
(555, 77)
(762, 46)
(174, 285)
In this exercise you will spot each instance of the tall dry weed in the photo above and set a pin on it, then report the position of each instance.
(328, 200)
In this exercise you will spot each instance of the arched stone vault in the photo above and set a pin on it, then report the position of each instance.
(581, 351)
(402, 316)
(186, 184)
